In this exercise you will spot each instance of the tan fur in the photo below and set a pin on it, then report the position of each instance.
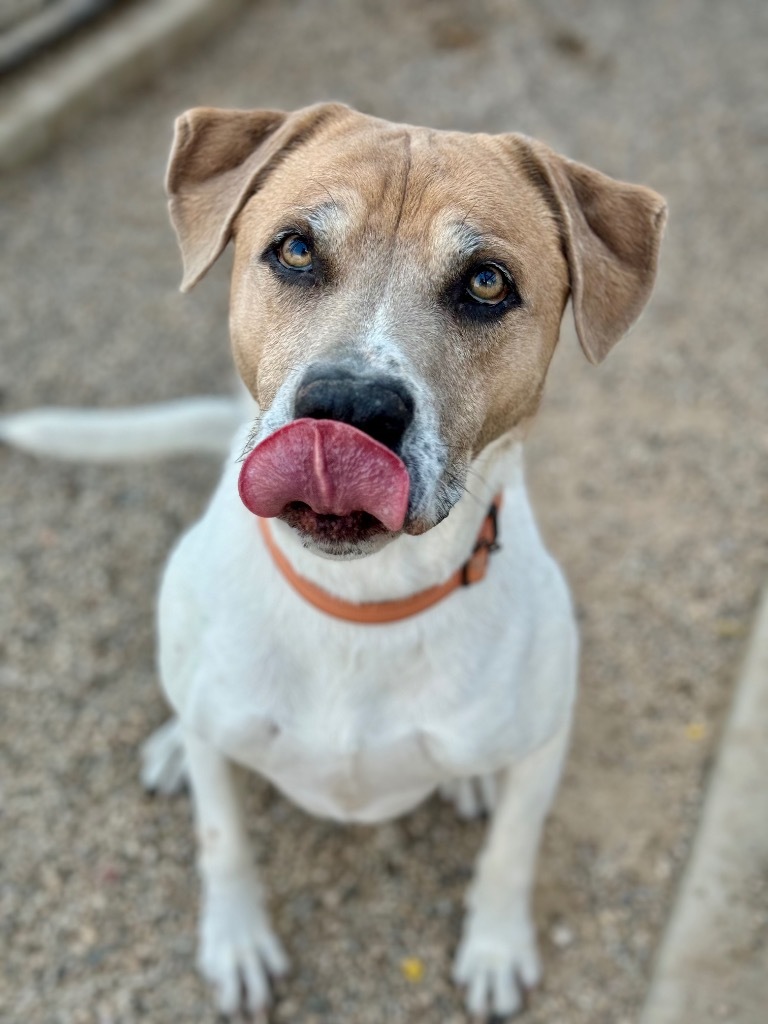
(399, 193)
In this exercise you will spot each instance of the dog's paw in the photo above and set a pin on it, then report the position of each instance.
(163, 762)
(472, 797)
(498, 966)
(238, 950)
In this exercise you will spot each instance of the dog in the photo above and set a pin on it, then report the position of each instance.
(365, 613)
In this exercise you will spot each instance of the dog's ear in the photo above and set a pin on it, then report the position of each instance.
(611, 232)
(217, 160)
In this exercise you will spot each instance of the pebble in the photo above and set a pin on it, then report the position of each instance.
(562, 936)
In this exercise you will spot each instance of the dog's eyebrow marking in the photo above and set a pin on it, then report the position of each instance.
(324, 217)
(457, 241)
(327, 220)
(468, 239)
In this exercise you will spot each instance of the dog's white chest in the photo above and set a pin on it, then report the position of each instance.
(361, 723)
(344, 756)
(368, 783)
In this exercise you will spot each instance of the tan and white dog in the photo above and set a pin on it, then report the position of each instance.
(396, 299)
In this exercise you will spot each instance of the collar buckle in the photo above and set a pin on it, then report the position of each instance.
(476, 566)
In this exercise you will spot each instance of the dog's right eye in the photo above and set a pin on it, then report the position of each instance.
(294, 253)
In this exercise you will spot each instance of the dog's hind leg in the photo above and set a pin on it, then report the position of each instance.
(163, 761)
(497, 958)
(237, 948)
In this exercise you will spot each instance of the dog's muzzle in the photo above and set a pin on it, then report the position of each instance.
(334, 473)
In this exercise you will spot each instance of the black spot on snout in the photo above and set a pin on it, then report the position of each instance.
(380, 406)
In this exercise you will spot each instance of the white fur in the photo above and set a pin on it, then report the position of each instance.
(142, 432)
(361, 723)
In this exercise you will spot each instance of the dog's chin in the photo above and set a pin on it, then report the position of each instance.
(341, 537)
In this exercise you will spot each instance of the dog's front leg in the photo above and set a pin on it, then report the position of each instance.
(237, 947)
(497, 958)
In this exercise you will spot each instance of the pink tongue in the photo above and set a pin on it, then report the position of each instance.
(332, 467)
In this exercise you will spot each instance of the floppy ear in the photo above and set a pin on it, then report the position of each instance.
(216, 160)
(611, 232)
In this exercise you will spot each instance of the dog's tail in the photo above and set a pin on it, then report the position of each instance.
(190, 425)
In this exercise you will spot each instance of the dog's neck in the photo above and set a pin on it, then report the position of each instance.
(410, 564)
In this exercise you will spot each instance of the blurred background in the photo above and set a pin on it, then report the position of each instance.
(649, 476)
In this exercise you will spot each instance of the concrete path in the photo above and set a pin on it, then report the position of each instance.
(713, 963)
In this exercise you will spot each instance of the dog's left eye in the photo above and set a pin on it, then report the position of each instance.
(294, 253)
(487, 284)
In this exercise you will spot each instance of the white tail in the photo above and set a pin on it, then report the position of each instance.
(190, 425)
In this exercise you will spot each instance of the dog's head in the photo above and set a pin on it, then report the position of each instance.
(398, 291)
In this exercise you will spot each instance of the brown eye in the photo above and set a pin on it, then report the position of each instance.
(295, 253)
(487, 284)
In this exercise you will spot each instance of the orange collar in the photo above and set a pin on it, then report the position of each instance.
(379, 612)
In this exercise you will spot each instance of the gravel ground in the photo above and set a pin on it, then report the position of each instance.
(649, 475)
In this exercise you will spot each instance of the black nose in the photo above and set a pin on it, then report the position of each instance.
(379, 406)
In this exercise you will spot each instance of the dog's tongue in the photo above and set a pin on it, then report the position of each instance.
(332, 467)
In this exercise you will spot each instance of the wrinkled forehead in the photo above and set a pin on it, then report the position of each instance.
(443, 193)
